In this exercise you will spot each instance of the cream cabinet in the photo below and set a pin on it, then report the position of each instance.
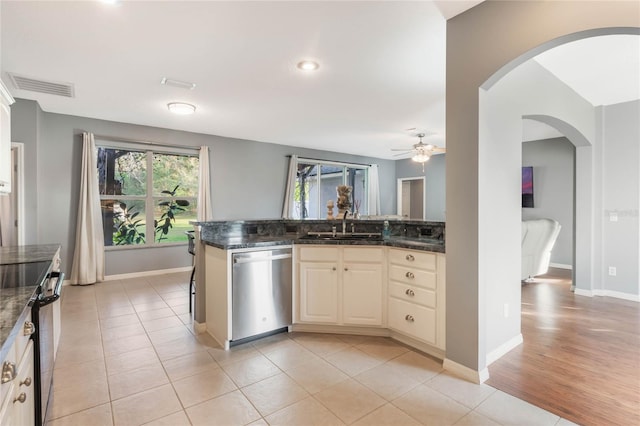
(5, 139)
(417, 295)
(17, 406)
(341, 285)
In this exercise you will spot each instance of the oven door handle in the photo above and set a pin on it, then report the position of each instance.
(56, 291)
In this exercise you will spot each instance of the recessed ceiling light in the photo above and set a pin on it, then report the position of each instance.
(308, 66)
(181, 108)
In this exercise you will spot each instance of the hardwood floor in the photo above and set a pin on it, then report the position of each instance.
(580, 358)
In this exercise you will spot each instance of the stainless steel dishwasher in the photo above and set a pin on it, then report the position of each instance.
(261, 292)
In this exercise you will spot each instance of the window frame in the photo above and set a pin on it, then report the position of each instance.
(149, 198)
(322, 210)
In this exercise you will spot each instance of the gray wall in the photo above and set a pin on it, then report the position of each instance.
(553, 179)
(247, 179)
(434, 172)
(483, 44)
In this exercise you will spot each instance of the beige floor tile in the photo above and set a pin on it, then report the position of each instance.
(387, 415)
(78, 387)
(430, 407)
(354, 339)
(321, 344)
(142, 298)
(207, 385)
(145, 406)
(229, 409)
(107, 323)
(73, 354)
(259, 422)
(158, 324)
(382, 348)
(387, 380)
(308, 412)
(565, 422)
(180, 309)
(419, 367)
(176, 294)
(173, 332)
(96, 416)
(149, 316)
(353, 361)
(349, 400)
(251, 370)
(126, 344)
(316, 375)
(131, 360)
(187, 318)
(123, 331)
(138, 380)
(179, 347)
(274, 393)
(150, 306)
(115, 311)
(234, 354)
(466, 393)
(272, 343)
(176, 419)
(476, 419)
(189, 365)
(508, 410)
(290, 356)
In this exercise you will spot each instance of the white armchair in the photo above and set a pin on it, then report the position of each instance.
(538, 238)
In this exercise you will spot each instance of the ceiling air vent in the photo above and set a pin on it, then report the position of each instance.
(42, 86)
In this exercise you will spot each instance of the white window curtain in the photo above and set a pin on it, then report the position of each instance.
(374, 191)
(290, 188)
(204, 188)
(88, 256)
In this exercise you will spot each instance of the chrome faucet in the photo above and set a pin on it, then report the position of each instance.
(344, 222)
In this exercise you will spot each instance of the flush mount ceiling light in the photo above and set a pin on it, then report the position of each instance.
(308, 66)
(181, 108)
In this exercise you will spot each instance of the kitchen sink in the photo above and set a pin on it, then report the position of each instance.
(328, 236)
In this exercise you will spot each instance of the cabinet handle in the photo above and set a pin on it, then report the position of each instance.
(333, 269)
(20, 398)
(409, 318)
(409, 292)
(346, 269)
(409, 275)
(26, 382)
(410, 258)
(29, 328)
(8, 372)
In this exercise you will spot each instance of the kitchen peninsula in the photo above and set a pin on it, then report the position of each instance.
(335, 277)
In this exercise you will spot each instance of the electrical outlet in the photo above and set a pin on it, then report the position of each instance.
(506, 310)
(613, 217)
(612, 271)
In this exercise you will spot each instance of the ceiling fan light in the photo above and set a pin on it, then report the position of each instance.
(181, 108)
(421, 157)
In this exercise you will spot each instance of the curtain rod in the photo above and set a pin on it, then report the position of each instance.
(332, 161)
(117, 139)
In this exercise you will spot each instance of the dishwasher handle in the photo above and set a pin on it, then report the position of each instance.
(238, 258)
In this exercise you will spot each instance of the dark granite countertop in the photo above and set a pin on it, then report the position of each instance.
(14, 302)
(243, 242)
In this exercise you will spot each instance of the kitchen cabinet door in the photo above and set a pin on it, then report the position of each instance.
(362, 286)
(319, 292)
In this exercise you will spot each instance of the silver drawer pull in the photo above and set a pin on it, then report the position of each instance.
(409, 318)
(8, 372)
(29, 328)
(409, 275)
(26, 382)
(410, 258)
(20, 398)
(409, 292)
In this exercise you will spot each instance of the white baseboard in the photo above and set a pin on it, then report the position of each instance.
(608, 293)
(199, 327)
(501, 350)
(146, 273)
(561, 266)
(465, 372)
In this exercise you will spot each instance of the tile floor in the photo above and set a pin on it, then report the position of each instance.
(127, 357)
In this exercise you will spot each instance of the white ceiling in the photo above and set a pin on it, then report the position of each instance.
(382, 66)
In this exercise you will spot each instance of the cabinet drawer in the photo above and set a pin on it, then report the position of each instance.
(362, 255)
(413, 276)
(319, 254)
(23, 339)
(413, 320)
(413, 258)
(413, 294)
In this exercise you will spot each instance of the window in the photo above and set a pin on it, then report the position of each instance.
(316, 183)
(147, 196)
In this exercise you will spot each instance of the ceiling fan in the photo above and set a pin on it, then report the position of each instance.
(420, 152)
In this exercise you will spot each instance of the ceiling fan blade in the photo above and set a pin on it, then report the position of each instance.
(403, 149)
(401, 154)
(439, 150)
